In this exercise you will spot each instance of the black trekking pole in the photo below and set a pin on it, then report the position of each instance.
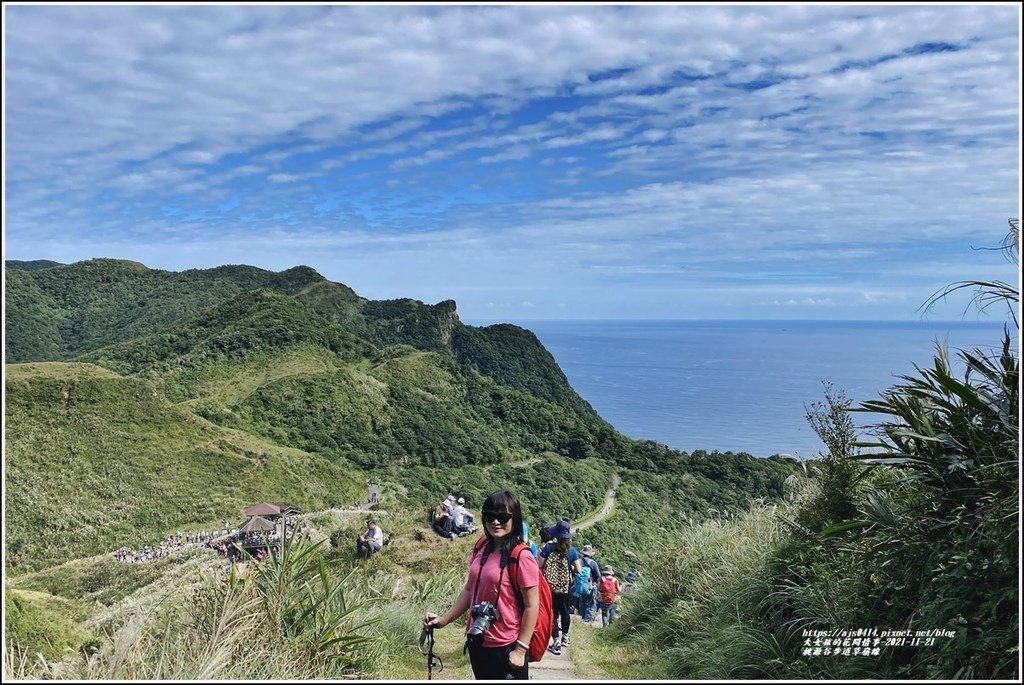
(427, 636)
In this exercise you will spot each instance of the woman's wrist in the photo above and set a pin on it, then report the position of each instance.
(520, 643)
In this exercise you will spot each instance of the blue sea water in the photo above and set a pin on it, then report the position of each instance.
(741, 385)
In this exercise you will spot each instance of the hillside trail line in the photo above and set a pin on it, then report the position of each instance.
(606, 509)
(560, 666)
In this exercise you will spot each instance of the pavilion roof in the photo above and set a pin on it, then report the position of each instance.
(256, 524)
(263, 509)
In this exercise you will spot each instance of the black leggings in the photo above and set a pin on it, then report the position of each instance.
(491, 663)
(560, 607)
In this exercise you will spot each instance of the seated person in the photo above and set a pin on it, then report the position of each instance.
(371, 540)
(444, 522)
(462, 520)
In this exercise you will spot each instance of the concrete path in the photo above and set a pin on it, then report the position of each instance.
(560, 666)
(553, 667)
(606, 510)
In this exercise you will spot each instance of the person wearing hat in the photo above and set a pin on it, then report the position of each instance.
(585, 602)
(631, 583)
(442, 519)
(560, 562)
(462, 520)
(608, 596)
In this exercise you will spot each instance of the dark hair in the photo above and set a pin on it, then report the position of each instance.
(503, 500)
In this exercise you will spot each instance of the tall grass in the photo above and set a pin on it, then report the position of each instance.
(290, 617)
(697, 596)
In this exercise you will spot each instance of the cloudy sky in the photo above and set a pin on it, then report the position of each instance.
(528, 161)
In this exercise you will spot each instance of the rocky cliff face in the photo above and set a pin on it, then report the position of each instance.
(447, 321)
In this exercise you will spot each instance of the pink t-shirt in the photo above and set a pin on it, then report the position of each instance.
(505, 630)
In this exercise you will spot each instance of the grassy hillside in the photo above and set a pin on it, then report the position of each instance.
(62, 311)
(95, 461)
(264, 363)
(252, 323)
(45, 624)
(98, 302)
(259, 396)
(515, 357)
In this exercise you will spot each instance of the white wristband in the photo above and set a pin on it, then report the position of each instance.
(524, 646)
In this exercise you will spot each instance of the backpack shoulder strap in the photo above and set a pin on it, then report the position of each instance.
(513, 575)
(477, 546)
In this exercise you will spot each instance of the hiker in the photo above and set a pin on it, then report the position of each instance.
(442, 518)
(371, 540)
(587, 594)
(462, 520)
(608, 596)
(632, 583)
(497, 648)
(526, 540)
(560, 563)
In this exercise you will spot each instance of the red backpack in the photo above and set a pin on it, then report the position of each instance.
(545, 614)
(607, 589)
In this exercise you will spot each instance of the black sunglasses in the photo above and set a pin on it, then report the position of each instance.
(501, 517)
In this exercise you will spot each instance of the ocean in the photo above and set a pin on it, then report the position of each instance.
(741, 386)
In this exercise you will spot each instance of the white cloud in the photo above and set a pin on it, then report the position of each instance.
(420, 140)
(883, 296)
(806, 302)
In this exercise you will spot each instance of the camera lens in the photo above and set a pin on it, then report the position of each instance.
(483, 615)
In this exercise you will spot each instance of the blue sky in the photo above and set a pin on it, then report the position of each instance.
(528, 161)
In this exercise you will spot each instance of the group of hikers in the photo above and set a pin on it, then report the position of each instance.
(174, 544)
(228, 542)
(451, 519)
(514, 616)
(577, 582)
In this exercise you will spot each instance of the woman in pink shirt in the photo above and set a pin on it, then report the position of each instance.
(502, 615)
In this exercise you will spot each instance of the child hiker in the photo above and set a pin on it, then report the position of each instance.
(608, 596)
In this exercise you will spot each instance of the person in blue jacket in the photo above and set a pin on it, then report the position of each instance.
(588, 600)
(526, 538)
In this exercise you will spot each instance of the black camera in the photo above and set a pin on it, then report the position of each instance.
(484, 614)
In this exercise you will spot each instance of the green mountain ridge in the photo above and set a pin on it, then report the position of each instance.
(31, 265)
(59, 313)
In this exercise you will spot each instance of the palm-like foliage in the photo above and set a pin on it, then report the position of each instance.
(935, 543)
(943, 536)
(308, 605)
(957, 436)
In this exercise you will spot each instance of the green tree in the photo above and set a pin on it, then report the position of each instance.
(837, 474)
